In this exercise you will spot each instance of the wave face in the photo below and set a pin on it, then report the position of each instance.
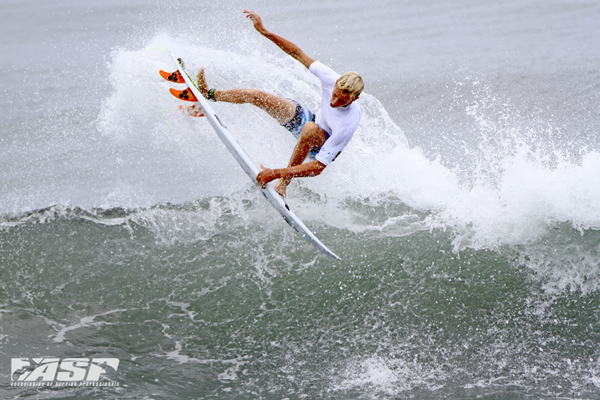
(466, 209)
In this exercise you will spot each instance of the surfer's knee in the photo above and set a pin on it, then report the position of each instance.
(312, 133)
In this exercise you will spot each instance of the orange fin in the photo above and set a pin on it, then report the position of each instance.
(186, 94)
(194, 110)
(172, 76)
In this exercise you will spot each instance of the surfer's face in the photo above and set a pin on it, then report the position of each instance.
(340, 98)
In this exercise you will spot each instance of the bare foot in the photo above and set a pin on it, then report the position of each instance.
(201, 85)
(281, 187)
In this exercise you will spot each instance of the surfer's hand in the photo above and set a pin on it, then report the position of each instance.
(258, 25)
(265, 176)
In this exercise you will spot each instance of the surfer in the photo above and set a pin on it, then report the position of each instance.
(321, 137)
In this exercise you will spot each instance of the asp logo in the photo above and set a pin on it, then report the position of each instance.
(51, 371)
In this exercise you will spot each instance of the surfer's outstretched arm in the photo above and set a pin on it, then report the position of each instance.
(305, 170)
(281, 42)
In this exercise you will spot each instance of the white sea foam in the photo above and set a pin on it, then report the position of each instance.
(85, 322)
(387, 377)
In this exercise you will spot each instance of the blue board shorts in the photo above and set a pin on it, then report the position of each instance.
(295, 125)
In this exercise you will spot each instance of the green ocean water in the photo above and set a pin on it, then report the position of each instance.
(236, 316)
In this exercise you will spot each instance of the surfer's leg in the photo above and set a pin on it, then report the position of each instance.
(312, 136)
(279, 108)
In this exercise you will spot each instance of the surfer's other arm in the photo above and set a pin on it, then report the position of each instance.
(305, 170)
(281, 42)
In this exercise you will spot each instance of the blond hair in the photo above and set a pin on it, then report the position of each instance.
(352, 83)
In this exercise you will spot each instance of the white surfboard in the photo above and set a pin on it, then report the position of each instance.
(249, 167)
